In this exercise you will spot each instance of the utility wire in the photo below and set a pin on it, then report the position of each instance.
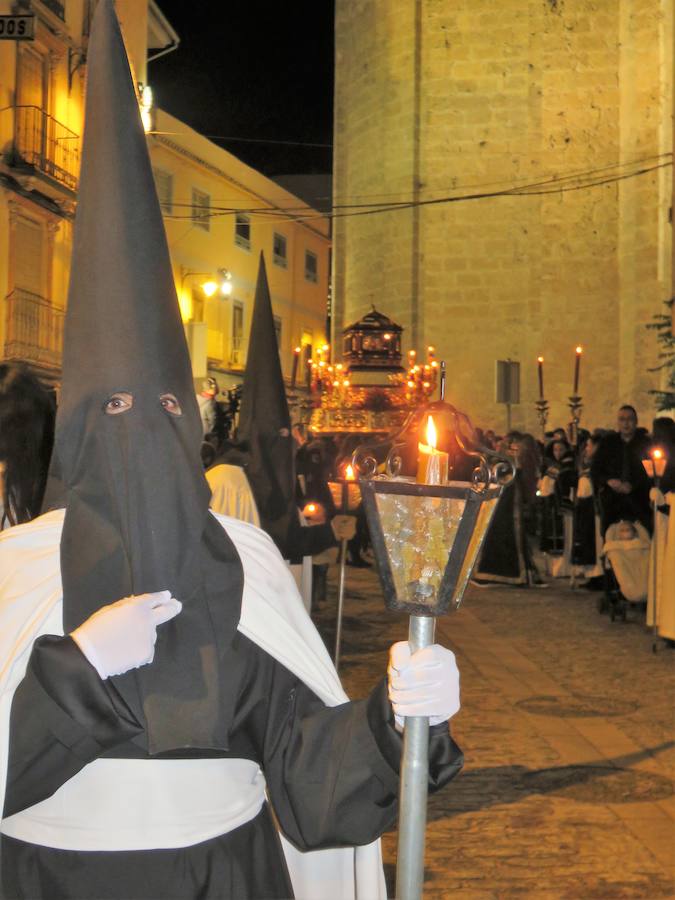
(550, 186)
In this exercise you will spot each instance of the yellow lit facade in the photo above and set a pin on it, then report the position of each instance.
(220, 215)
(41, 110)
(41, 120)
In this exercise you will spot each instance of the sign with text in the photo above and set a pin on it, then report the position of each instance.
(17, 28)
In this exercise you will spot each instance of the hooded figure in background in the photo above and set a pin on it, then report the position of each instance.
(159, 678)
(265, 430)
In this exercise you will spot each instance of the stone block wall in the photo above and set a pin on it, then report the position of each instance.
(439, 100)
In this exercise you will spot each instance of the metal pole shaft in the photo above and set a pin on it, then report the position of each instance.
(412, 821)
(341, 583)
(341, 597)
(655, 582)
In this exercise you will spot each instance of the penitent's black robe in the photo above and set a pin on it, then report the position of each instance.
(331, 775)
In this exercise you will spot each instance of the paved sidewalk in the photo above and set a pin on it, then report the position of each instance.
(568, 729)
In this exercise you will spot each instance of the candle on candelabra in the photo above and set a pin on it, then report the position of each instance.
(577, 366)
(540, 367)
(432, 464)
(296, 359)
(308, 366)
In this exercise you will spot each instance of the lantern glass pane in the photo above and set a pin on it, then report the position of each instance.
(419, 533)
(485, 514)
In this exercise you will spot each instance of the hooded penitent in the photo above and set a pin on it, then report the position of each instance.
(127, 465)
(265, 425)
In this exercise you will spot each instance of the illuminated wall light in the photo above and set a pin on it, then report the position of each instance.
(146, 103)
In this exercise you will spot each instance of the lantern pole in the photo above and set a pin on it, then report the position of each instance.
(341, 582)
(414, 783)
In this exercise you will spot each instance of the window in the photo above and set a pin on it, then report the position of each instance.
(164, 185)
(201, 209)
(29, 258)
(277, 329)
(311, 266)
(279, 254)
(237, 358)
(242, 231)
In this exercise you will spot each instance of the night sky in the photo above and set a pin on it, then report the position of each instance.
(253, 70)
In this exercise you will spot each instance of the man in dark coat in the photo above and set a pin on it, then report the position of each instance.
(619, 478)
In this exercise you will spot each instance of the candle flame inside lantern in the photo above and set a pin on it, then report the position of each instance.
(657, 454)
(311, 508)
(349, 473)
(431, 433)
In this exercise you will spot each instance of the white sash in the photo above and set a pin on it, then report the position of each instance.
(143, 804)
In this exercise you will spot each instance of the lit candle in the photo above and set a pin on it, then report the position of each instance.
(577, 365)
(432, 464)
(296, 359)
(540, 366)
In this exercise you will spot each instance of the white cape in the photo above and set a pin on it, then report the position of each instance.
(272, 616)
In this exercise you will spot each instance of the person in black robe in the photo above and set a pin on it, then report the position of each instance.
(619, 478)
(556, 488)
(165, 674)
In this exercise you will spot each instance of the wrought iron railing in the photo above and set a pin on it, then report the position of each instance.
(41, 141)
(33, 329)
(56, 6)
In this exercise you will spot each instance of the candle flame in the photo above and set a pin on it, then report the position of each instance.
(411, 353)
(540, 359)
(431, 433)
(311, 508)
(579, 351)
(349, 473)
(297, 350)
(657, 454)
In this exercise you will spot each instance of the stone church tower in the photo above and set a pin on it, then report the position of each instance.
(565, 104)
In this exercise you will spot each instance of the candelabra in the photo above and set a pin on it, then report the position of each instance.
(575, 406)
(542, 412)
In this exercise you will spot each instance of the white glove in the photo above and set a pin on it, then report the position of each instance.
(425, 683)
(122, 636)
(656, 496)
(344, 527)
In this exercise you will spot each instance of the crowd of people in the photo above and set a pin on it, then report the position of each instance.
(574, 507)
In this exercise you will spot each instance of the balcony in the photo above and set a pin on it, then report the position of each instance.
(55, 6)
(33, 329)
(46, 145)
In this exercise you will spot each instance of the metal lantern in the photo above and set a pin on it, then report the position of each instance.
(426, 538)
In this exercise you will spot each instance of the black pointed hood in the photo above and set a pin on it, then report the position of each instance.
(265, 424)
(130, 476)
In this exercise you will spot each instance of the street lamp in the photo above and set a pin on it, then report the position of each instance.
(209, 287)
(426, 534)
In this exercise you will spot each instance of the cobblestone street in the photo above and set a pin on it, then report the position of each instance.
(568, 730)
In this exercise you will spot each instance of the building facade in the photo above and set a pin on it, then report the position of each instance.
(41, 122)
(220, 215)
(530, 153)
